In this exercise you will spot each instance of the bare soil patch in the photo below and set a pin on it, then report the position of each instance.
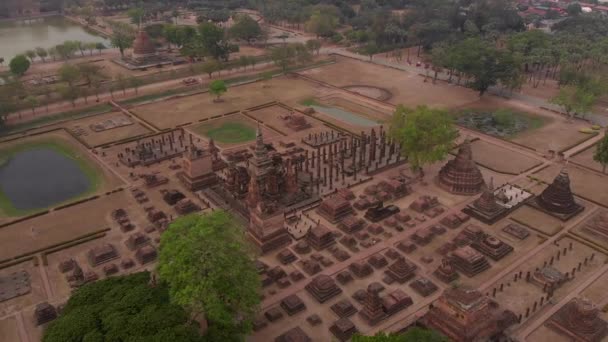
(82, 128)
(538, 220)
(585, 158)
(407, 88)
(181, 110)
(501, 159)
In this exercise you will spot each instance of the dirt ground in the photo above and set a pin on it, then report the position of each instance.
(485, 153)
(587, 184)
(99, 138)
(531, 217)
(201, 106)
(271, 116)
(8, 326)
(585, 158)
(408, 89)
(59, 226)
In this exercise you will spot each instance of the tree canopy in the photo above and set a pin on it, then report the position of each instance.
(426, 135)
(209, 267)
(601, 152)
(125, 308)
(414, 334)
(19, 65)
(245, 28)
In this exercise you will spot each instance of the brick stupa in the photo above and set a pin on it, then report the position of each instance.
(486, 208)
(465, 315)
(579, 321)
(460, 175)
(557, 199)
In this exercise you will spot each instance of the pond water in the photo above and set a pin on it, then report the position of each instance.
(17, 36)
(41, 177)
(348, 117)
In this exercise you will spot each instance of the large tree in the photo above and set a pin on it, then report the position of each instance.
(283, 56)
(213, 41)
(124, 308)
(208, 264)
(323, 21)
(19, 65)
(245, 28)
(601, 152)
(414, 334)
(426, 135)
(122, 37)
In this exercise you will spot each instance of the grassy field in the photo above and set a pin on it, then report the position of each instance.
(91, 171)
(229, 132)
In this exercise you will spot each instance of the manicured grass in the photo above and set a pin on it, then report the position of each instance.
(229, 132)
(93, 174)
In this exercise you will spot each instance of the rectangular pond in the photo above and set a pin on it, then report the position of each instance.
(344, 116)
(18, 36)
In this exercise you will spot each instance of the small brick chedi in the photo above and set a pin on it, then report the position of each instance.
(469, 261)
(557, 199)
(486, 208)
(461, 175)
(579, 321)
(465, 315)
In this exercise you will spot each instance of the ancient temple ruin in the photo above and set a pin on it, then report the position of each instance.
(466, 315)
(579, 321)
(557, 199)
(486, 208)
(461, 175)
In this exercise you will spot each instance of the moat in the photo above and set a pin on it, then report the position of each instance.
(17, 36)
(41, 177)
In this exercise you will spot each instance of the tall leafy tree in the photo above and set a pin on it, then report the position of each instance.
(122, 37)
(414, 334)
(245, 28)
(213, 41)
(19, 65)
(283, 56)
(426, 135)
(601, 152)
(208, 264)
(123, 308)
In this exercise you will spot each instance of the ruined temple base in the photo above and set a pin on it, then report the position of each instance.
(198, 183)
(563, 217)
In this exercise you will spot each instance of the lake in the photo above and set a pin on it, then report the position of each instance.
(17, 37)
(40, 178)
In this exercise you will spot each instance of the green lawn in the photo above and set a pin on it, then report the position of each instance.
(228, 132)
(92, 172)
